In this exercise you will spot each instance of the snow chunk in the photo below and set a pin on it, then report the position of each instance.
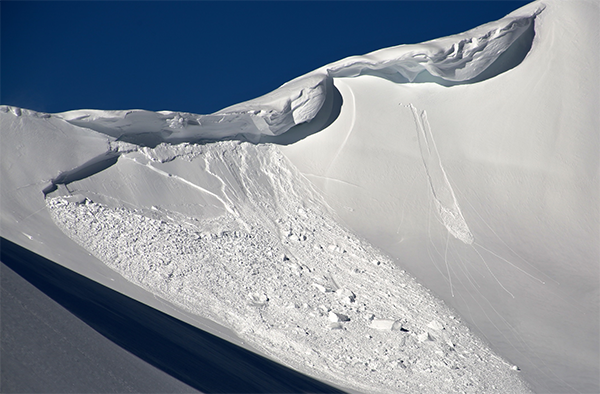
(345, 295)
(336, 317)
(258, 299)
(424, 336)
(435, 325)
(386, 324)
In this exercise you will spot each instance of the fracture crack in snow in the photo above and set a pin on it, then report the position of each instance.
(226, 205)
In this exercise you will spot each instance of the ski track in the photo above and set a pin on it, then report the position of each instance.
(443, 194)
(509, 333)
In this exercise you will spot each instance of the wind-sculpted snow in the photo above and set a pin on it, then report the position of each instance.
(269, 115)
(460, 58)
(456, 58)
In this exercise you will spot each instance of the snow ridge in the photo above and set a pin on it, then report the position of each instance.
(270, 115)
(458, 58)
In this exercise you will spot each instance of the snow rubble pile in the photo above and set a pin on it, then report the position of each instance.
(266, 260)
(294, 219)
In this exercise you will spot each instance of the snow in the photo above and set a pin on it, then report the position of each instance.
(272, 114)
(516, 167)
(324, 223)
(311, 309)
(70, 349)
(459, 58)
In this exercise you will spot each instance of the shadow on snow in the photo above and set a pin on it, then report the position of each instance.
(195, 357)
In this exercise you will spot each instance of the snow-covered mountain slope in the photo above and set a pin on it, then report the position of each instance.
(469, 161)
(513, 159)
(230, 231)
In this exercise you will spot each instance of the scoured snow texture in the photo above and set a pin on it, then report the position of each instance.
(272, 114)
(459, 57)
(282, 273)
(441, 190)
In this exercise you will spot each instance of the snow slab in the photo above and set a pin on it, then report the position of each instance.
(293, 220)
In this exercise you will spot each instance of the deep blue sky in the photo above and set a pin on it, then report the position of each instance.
(200, 56)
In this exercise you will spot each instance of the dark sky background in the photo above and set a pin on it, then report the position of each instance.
(198, 56)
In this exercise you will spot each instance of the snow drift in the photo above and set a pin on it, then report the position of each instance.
(469, 161)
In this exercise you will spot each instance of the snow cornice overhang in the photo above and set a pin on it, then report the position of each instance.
(456, 59)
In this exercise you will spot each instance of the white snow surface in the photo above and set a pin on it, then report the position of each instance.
(323, 223)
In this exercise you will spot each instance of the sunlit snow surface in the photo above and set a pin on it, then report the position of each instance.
(469, 161)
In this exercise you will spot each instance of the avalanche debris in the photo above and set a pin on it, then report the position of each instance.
(280, 295)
